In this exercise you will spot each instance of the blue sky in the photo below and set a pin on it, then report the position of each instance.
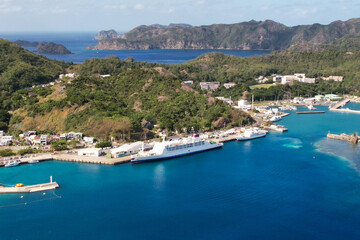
(123, 15)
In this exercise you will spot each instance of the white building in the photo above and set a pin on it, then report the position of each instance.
(310, 100)
(188, 82)
(89, 140)
(335, 78)
(63, 136)
(277, 78)
(74, 135)
(44, 140)
(243, 105)
(226, 100)
(129, 148)
(209, 85)
(298, 99)
(68, 75)
(300, 77)
(6, 140)
(2, 133)
(91, 152)
(262, 79)
(229, 85)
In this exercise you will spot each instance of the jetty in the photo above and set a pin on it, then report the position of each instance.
(339, 104)
(353, 138)
(310, 112)
(20, 188)
(346, 110)
(89, 159)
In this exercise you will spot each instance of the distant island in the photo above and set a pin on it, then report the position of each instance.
(252, 35)
(44, 47)
(24, 43)
(52, 48)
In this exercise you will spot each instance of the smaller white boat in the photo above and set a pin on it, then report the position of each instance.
(294, 108)
(275, 118)
(311, 107)
(278, 128)
(33, 161)
(251, 133)
(13, 163)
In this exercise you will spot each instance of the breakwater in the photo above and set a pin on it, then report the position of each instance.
(353, 138)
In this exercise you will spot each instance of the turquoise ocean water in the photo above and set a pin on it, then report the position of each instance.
(295, 185)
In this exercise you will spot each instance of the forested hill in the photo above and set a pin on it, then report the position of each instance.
(127, 104)
(20, 68)
(267, 35)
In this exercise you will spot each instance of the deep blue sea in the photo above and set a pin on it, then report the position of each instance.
(293, 185)
(77, 43)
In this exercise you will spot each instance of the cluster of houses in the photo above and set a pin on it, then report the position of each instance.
(244, 104)
(32, 138)
(210, 85)
(317, 98)
(298, 77)
(67, 75)
(215, 85)
(43, 85)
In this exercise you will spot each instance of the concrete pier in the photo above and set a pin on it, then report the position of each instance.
(346, 110)
(310, 112)
(344, 137)
(342, 103)
(30, 188)
(87, 159)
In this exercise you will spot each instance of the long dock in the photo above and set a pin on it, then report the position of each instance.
(310, 112)
(342, 103)
(346, 110)
(69, 158)
(30, 188)
(88, 159)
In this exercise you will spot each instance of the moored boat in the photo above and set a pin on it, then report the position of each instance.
(275, 118)
(251, 133)
(13, 163)
(33, 161)
(171, 149)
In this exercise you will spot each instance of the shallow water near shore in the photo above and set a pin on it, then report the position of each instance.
(289, 185)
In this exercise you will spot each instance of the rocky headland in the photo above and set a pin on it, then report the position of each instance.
(252, 35)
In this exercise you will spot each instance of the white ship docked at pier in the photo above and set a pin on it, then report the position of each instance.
(251, 133)
(175, 148)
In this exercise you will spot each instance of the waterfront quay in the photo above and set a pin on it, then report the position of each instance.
(88, 159)
(67, 157)
(30, 188)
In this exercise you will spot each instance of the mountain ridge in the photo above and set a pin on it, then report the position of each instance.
(251, 35)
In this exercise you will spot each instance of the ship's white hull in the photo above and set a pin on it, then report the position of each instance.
(174, 154)
(243, 138)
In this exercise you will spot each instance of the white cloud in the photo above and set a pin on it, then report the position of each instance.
(171, 10)
(302, 12)
(58, 11)
(200, 2)
(7, 6)
(116, 7)
(139, 6)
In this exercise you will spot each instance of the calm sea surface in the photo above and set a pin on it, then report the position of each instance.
(77, 43)
(295, 185)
